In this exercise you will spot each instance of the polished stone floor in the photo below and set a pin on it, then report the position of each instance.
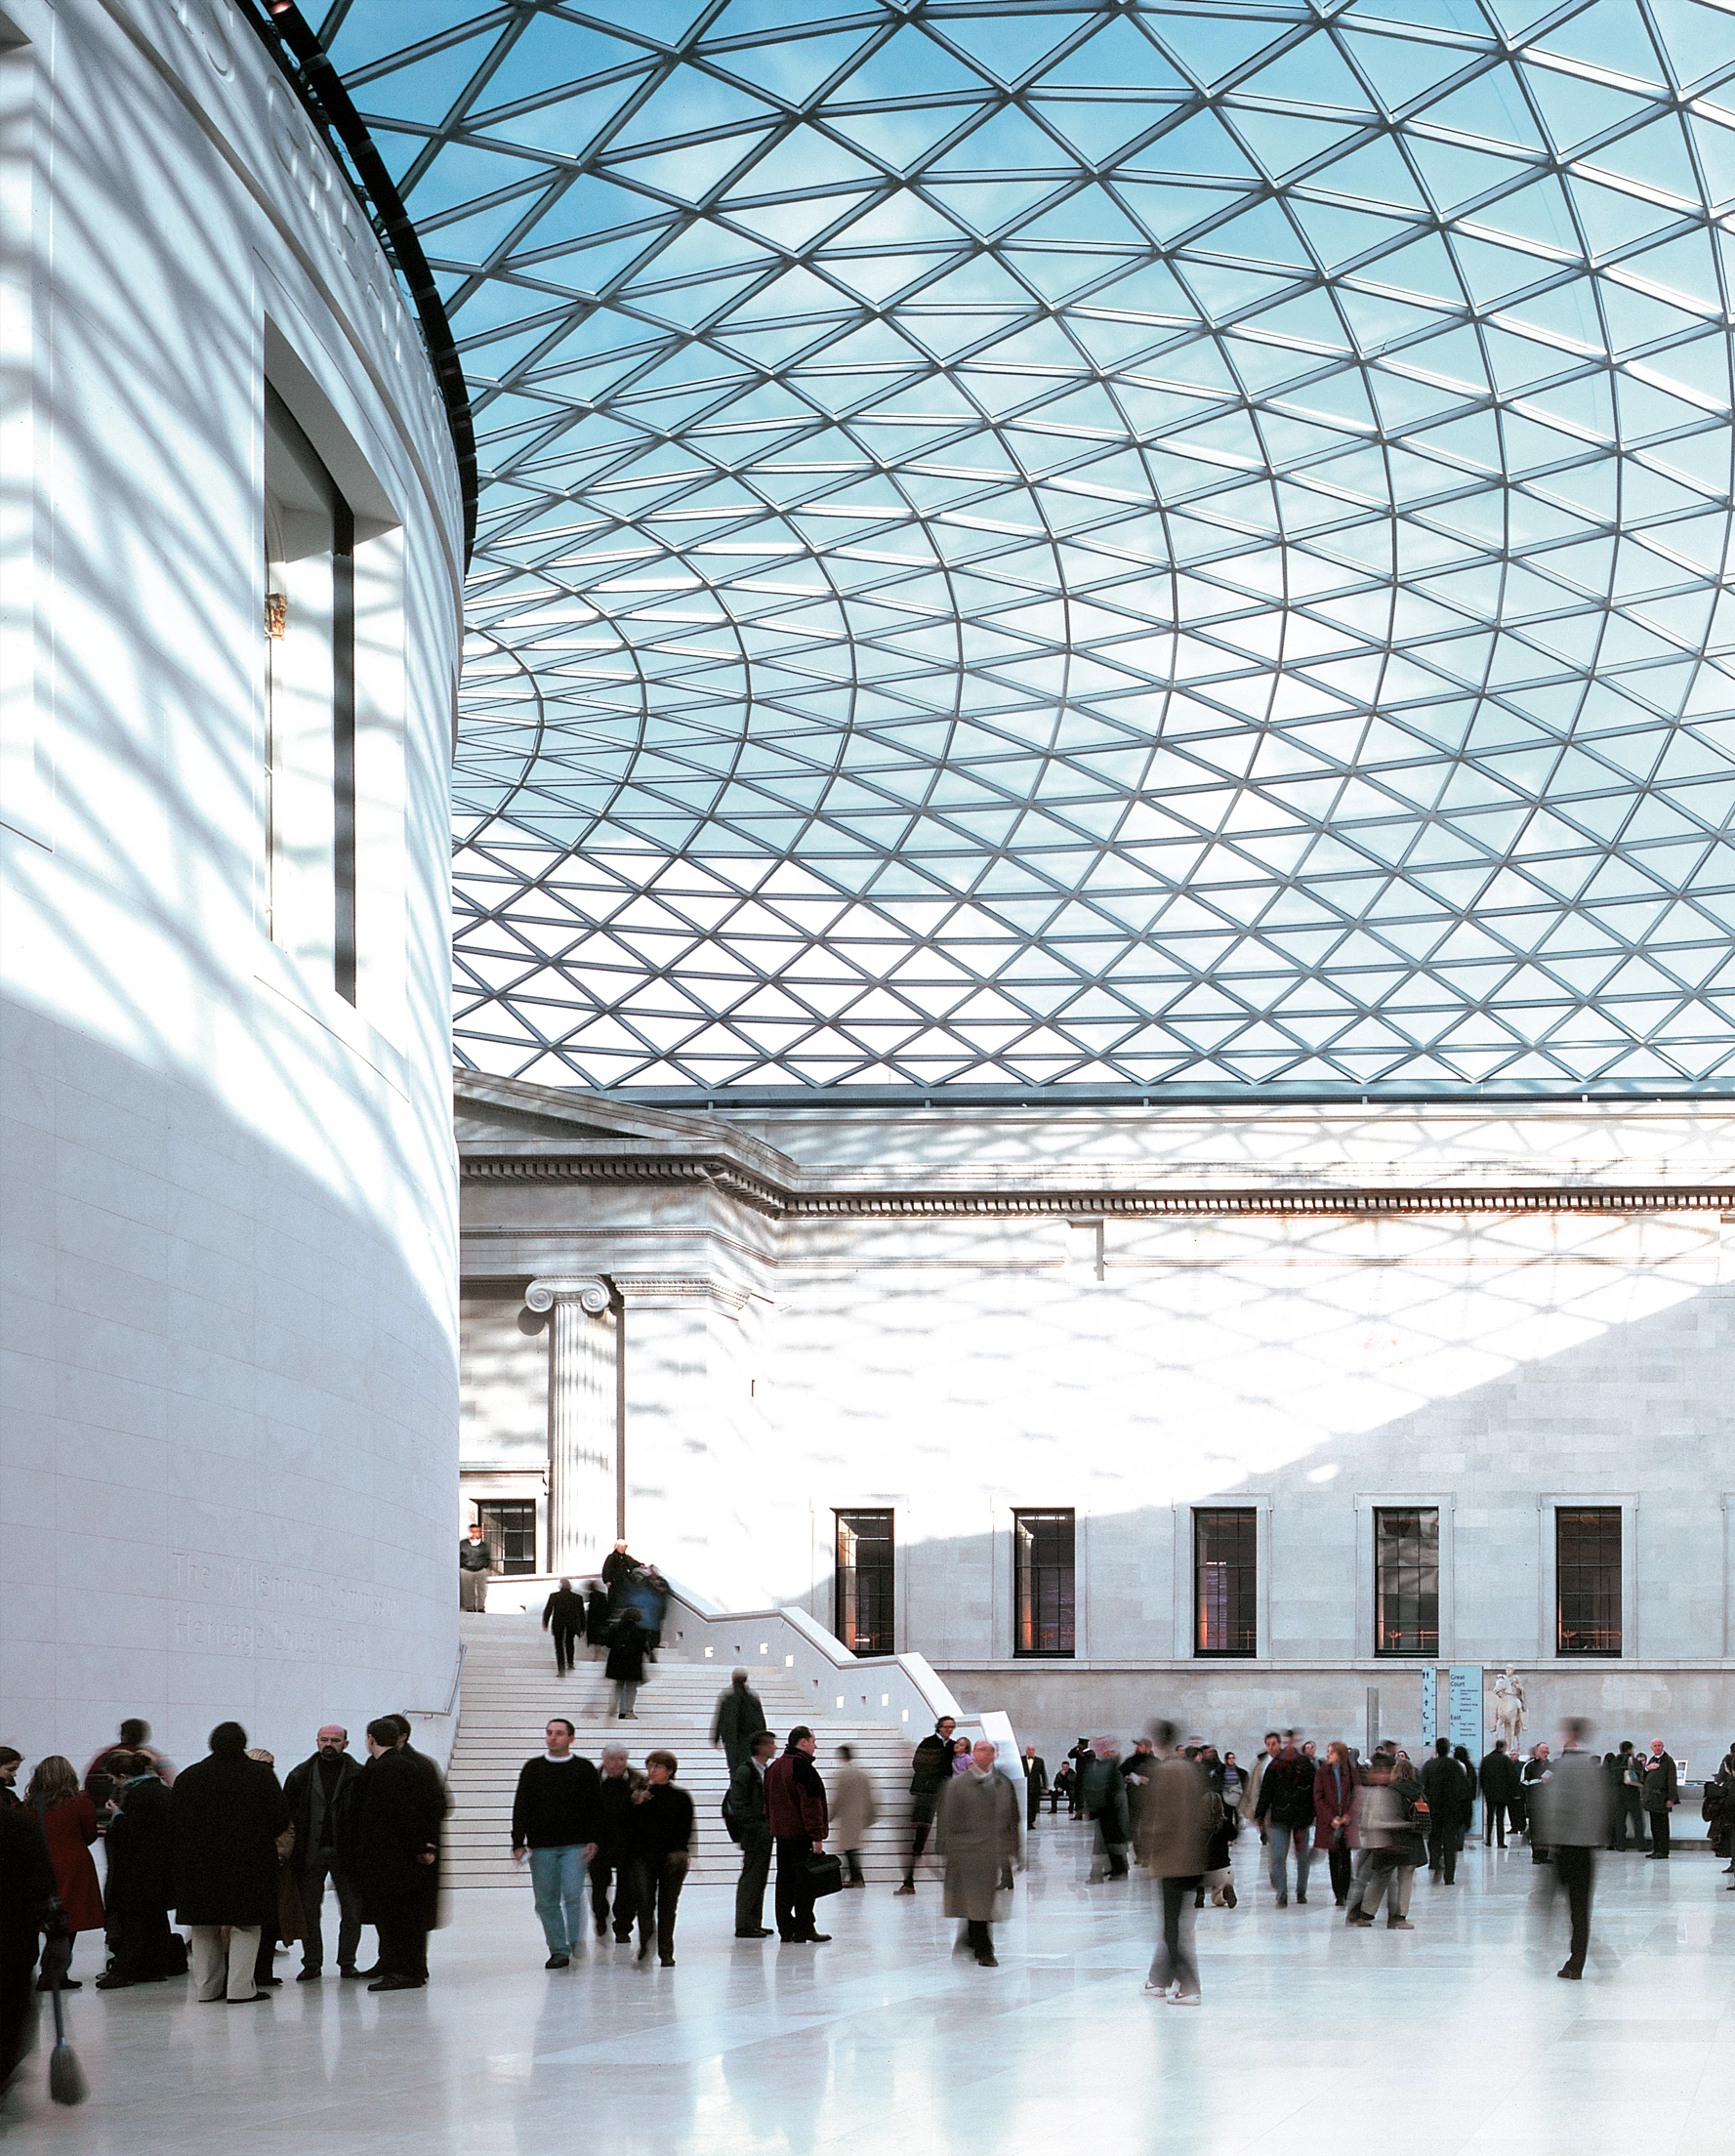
(1454, 2036)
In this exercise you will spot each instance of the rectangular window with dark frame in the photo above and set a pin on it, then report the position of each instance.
(1406, 1579)
(1225, 1581)
(1587, 1579)
(864, 1599)
(508, 1528)
(1043, 1583)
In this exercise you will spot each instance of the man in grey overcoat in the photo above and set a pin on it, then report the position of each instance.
(979, 1832)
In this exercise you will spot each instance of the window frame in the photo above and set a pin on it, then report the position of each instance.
(1248, 1518)
(1427, 1648)
(885, 1599)
(1607, 1513)
(1066, 1610)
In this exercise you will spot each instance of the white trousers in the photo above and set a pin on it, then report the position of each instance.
(209, 1969)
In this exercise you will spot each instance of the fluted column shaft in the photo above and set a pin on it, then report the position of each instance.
(582, 1422)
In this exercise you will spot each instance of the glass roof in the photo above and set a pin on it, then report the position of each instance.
(1102, 544)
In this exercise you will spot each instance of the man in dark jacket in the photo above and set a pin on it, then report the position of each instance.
(391, 1848)
(662, 1819)
(1661, 1794)
(794, 1805)
(750, 1827)
(736, 1720)
(928, 1771)
(1284, 1814)
(620, 1568)
(554, 1822)
(625, 1667)
(225, 1813)
(1035, 1782)
(476, 1561)
(317, 1793)
(1626, 1775)
(613, 1858)
(1102, 1795)
(1537, 1768)
(136, 1895)
(1446, 1785)
(27, 1903)
(1499, 1780)
(563, 1616)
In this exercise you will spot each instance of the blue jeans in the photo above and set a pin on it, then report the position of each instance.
(1280, 1838)
(559, 1877)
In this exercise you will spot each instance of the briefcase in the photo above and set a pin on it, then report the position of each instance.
(825, 1876)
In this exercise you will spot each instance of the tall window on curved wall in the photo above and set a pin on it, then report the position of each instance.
(863, 1597)
(1588, 1580)
(1406, 1580)
(309, 540)
(1225, 1581)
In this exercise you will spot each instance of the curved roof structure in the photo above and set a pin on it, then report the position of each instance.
(1107, 543)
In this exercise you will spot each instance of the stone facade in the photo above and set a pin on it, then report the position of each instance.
(1307, 1312)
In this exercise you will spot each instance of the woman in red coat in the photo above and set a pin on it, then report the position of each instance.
(69, 1822)
(1336, 1803)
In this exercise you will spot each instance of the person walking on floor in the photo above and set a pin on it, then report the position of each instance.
(563, 1619)
(317, 1791)
(662, 1827)
(1661, 1794)
(1178, 1812)
(1498, 1777)
(1102, 1794)
(1537, 1769)
(1284, 1812)
(142, 1949)
(736, 1720)
(476, 1561)
(69, 1821)
(854, 1812)
(597, 1620)
(226, 1812)
(1335, 1796)
(1450, 1798)
(1036, 1785)
(612, 1862)
(396, 1810)
(554, 1824)
(977, 1833)
(1394, 1840)
(1628, 1774)
(625, 1668)
(749, 1824)
(930, 1768)
(1572, 1810)
(620, 1568)
(794, 1803)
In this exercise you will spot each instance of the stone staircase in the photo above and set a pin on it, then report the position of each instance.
(510, 1690)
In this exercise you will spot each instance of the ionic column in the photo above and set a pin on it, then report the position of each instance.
(583, 1432)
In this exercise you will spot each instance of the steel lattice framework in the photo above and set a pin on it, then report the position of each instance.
(1106, 543)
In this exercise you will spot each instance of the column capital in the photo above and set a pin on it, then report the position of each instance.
(591, 1293)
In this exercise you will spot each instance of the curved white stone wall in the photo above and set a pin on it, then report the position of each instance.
(229, 1380)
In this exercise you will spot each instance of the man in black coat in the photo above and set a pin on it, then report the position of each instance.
(563, 1617)
(136, 1896)
(392, 1850)
(1446, 1784)
(929, 1770)
(619, 1570)
(613, 1860)
(225, 1813)
(26, 1904)
(1661, 1792)
(750, 1828)
(1499, 1780)
(736, 1720)
(1035, 1782)
(317, 1793)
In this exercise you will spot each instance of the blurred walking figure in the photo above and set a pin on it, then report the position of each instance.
(1661, 1793)
(1574, 1806)
(855, 1810)
(977, 1832)
(1393, 1837)
(1285, 1813)
(68, 1822)
(625, 1669)
(1102, 1791)
(1177, 1813)
(597, 1619)
(563, 1617)
(1335, 1794)
(1451, 1795)
(1537, 1768)
(736, 1720)
(929, 1769)
(1628, 1776)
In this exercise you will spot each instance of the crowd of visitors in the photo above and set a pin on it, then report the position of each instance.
(242, 1862)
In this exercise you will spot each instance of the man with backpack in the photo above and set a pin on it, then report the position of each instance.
(748, 1823)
